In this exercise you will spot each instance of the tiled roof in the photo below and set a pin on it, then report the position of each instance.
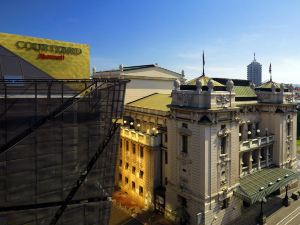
(244, 91)
(241, 87)
(204, 80)
(268, 84)
(154, 101)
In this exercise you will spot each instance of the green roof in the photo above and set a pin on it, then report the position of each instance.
(244, 91)
(262, 183)
(204, 80)
(154, 101)
(268, 84)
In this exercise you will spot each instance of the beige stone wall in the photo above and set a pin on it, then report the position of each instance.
(138, 88)
(197, 175)
(216, 215)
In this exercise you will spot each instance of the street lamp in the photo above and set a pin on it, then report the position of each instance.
(262, 218)
(286, 201)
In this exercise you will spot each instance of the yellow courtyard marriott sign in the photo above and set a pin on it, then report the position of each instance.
(61, 60)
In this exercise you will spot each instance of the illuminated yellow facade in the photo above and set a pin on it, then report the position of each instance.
(60, 60)
(141, 154)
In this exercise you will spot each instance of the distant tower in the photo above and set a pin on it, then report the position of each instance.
(254, 72)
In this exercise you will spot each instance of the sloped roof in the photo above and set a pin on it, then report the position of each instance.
(204, 80)
(269, 84)
(241, 87)
(138, 67)
(155, 101)
(262, 183)
(244, 91)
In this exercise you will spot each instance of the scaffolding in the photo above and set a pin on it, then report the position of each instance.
(58, 150)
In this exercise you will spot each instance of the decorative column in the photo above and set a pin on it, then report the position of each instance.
(258, 158)
(241, 165)
(267, 156)
(250, 161)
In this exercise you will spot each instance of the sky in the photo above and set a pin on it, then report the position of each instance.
(172, 33)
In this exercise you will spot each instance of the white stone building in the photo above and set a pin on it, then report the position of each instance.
(211, 149)
(227, 148)
(144, 80)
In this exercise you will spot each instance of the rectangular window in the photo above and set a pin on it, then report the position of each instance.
(133, 185)
(166, 157)
(121, 143)
(166, 137)
(223, 141)
(127, 146)
(126, 166)
(133, 170)
(184, 143)
(141, 174)
(141, 151)
(133, 148)
(223, 145)
(184, 125)
(141, 190)
(225, 203)
(126, 180)
(182, 200)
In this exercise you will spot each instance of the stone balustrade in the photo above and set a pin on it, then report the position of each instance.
(256, 143)
(142, 138)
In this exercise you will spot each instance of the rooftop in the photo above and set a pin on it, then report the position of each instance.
(137, 67)
(154, 101)
(242, 88)
(204, 80)
(260, 184)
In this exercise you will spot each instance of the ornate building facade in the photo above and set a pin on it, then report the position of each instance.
(210, 149)
(228, 149)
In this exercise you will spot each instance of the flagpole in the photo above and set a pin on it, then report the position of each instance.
(270, 71)
(203, 64)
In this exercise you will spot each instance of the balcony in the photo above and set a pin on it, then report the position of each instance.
(256, 143)
(142, 138)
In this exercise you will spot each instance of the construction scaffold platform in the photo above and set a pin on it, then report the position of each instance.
(58, 150)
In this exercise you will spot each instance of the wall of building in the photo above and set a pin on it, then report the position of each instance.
(138, 88)
(72, 60)
(201, 174)
(151, 163)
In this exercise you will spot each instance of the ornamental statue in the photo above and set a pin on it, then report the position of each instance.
(199, 85)
(281, 87)
(210, 85)
(176, 84)
(229, 85)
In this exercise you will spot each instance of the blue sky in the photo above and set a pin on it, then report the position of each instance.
(172, 33)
